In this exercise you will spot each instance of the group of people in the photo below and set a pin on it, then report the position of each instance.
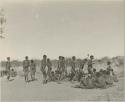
(26, 65)
(100, 79)
(91, 79)
(9, 71)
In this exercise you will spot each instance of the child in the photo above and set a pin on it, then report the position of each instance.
(13, 73)
(53, 78)
(32, 70)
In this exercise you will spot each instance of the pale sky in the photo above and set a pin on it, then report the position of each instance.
(64, 28)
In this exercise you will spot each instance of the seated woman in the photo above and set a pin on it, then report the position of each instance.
(109, 68)
(90, 82)
(100, 81)
(87, 82)
(57, 74)
(75, 78)
(80, 74)
(13, 73)
(115, 79)
(83, 81)
(53, 78)
(108, 78)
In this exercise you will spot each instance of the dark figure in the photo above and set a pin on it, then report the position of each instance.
(100, 81)
(26, 64)
(108, 78)
(114, 76)
(43, 68)
(73, 65)
(109, 68)
(90, 82)
(57, 75)
(59, 68)
(80, 74)
(49, 65)
(32, 70)
(53, 77)
(83, 81)
(8, 66)
(94, 70)
(13, 73)
(64, 70)
(90, 65)
(82, 63)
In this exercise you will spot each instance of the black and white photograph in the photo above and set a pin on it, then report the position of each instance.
(62, 50)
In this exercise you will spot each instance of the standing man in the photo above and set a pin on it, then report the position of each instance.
(8, 66)
(49, 65)
(73, 65)
(63, 65)
(59, 68)
(43, 68)
(32, 70)
(26, 65)
(90, 65)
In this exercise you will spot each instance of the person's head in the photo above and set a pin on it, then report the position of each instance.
(48, 60)
(60, 57)
(26, 57)
(94, 70)
(108, 63)
(112, 70)
(73, 58)
(52, 72)
(85, 60)
(91, 57)
(63, 58)
(44, 56)
(98, 74)
(8, 58)
(32, 61)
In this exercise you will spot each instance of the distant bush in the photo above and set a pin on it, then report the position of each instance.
(119, 60)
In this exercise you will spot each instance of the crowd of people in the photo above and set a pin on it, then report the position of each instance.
(89, 79)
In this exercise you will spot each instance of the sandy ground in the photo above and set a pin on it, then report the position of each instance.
(18, 90)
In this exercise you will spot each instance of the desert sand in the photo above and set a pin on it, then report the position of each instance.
(18, 90)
